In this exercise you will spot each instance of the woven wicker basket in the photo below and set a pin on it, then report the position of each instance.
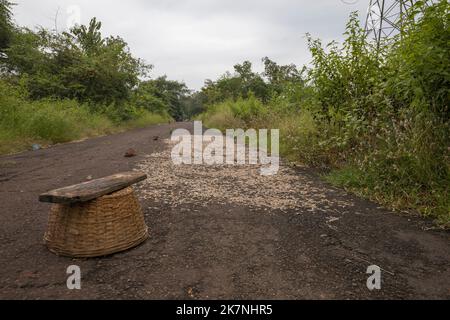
(101, 227)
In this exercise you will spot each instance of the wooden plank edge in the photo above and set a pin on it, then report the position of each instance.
(51, 198)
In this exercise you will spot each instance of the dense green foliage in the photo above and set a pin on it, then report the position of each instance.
(162, 96)
(244, 82)
(57, 87)
(24, 122)
(6, 25)
(78, 65)
(375, 118)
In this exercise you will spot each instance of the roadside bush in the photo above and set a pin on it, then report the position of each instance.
(24, 122)
(402, 157)
(376, 119)
(241, 113)
(419, 66)
(408, 169)
(145, 118)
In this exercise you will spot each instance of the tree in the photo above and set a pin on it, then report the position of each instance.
(89, 38)
(242, 84)
(6, 24)
(79, 64)
(163, 96)
(251, 82)
(278, 76)
(194, 104)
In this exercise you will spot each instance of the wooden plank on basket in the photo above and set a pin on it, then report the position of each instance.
(92, 189)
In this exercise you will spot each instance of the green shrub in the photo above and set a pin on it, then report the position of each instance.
(24, 122)
(420, 62)
(241, 113)
(145, 118)
(376, 119)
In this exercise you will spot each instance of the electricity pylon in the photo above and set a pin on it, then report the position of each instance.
(385, 18)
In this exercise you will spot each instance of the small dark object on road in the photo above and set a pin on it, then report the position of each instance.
(130, 153)
(155, 138)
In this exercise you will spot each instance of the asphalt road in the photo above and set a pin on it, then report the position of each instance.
(214, 251)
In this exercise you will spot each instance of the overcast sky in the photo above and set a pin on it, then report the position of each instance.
(194, 40)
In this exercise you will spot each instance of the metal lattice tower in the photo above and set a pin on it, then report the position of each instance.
(385, 18)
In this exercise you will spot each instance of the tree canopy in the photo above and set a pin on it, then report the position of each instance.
(84, 65)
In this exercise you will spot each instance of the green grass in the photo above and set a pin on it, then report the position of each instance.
(46, 122)
(48, 126)
(145, 119)
(433, 203)
(231, 114)
(403, 170)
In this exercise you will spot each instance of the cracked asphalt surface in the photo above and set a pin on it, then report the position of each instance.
(213, 248)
